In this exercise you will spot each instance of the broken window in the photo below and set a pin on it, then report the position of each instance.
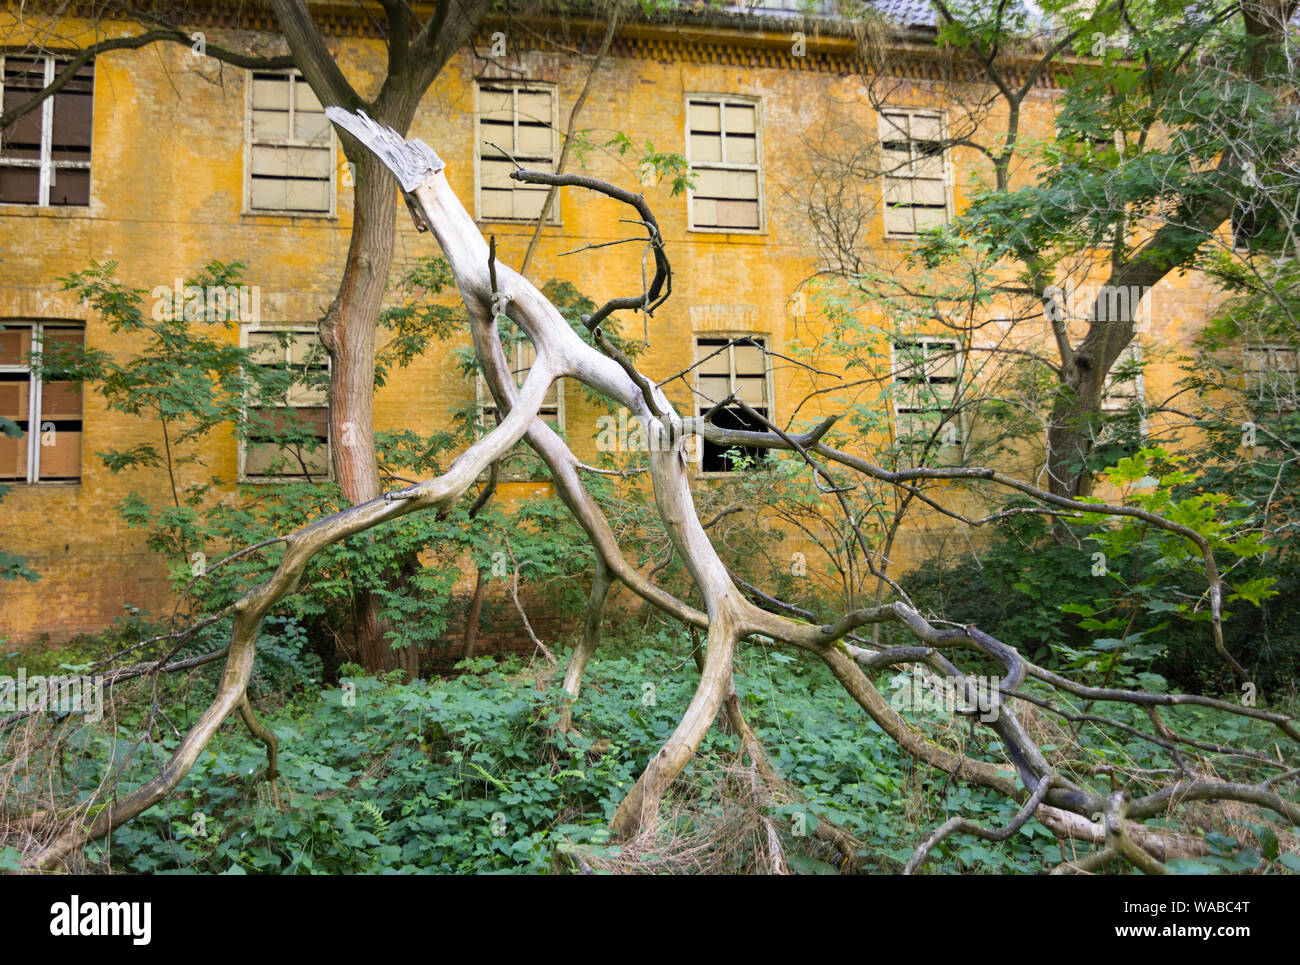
(725, 366)
(927, 376)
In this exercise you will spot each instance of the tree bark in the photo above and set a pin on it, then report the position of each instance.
(348, 328)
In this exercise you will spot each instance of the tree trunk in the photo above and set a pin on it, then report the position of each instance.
(348, 332)
(417, 52)
(471, 620)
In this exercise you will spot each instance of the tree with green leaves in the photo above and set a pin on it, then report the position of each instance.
(1174, 121)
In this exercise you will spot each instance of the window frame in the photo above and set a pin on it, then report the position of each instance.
(1265, 377)
(47, 167)
(486, 405)
(35, 397)
(946, 163)
(701, 405)
(896, 355)
(332, 179)
(483, 395)
(515, 85)
(723, 100)
(242, 443)
(1113, 404)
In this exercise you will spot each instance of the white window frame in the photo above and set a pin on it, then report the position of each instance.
(290, 142)
(1112, 402)
(901, 366)
(1265, 379)
(35, 392)
(487, 405)
(261, 329)
(888, 132)
(702, 405)
(45, 163)
(553, 216)
(724, 100)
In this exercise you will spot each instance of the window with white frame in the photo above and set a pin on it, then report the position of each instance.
(521, 356)
(47, 415)
(1273, 376)
(289, 164)
(926, 382)
(520, 463)
(287, 436)
(726, 365)
(514, 120)
(45, 155)
(914, 172)
(725, 152)
(1124, 386)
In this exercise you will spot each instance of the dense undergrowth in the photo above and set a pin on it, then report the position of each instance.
(470, 774)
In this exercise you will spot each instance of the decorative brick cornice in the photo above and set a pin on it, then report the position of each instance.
(741, 42)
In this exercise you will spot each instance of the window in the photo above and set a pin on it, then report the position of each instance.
(926, 374)
(47, 413)
(1273, 376)
(1124, 386)
(914, 172)
(727, 365)
(514, 120)
(1253, 226)
(521, 357)
(288, 436)
(290, 147)
(723, 148)
(45, 156)
(520, 463)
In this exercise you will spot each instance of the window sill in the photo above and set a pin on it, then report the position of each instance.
(282, 218)
(286, 481)
(521, 222)
(733, 235)
(13, 208)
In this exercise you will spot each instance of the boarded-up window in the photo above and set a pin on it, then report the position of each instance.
(290, 160)
(1273, 376)
(40, 421)
(927, 378)
(727, 366)
(287, 437)
(724, 150)
(45, 155)
(514, 120)
(913, 172)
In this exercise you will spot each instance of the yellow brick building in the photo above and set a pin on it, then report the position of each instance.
(164, 160)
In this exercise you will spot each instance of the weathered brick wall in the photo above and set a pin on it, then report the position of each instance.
(167, 189)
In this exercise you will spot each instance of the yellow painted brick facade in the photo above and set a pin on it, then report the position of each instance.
(167, 197)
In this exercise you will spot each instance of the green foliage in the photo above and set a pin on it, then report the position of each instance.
(1118, 599)
(469, 774)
